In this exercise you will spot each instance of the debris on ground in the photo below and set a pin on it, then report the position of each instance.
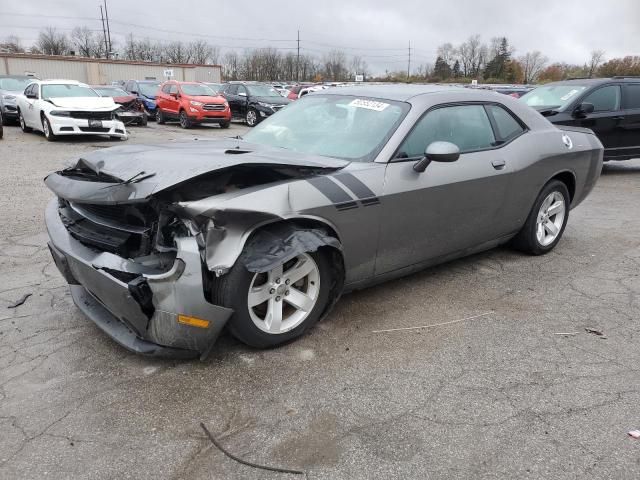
(247, 463)
(19, 302)
(567, 334)
(634, 433)
(596, 332)
(431, 326)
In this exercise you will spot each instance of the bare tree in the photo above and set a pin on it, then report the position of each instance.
(86, 43)
(597, 57)
(335, 65)
(177, 52)
(50, 42)
(532, 64)
(447, 53)
(11, 44)
(200, 51)
(358, 66)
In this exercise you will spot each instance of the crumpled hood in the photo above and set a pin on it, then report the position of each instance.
(169, 164)
(84, 103)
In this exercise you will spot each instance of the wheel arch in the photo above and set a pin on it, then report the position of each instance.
(569, 179)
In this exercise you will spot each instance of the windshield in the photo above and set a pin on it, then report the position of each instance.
(343, 127)
(111, 92)
(67, 90)
(262, 91)
(556, 96)
(14, 84)
(149, 89)
(198, 90)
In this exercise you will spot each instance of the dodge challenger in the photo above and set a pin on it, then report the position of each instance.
(165, 245)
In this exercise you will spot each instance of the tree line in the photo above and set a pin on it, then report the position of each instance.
(474, 59)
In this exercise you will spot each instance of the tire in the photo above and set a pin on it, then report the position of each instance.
(184, 120)
(224, 124)
(545, 225)
(143, 121)
(46, 128)
(252, 118)
(23, 125)
(160, 120)
(250, 325)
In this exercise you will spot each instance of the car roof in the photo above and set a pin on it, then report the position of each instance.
(593, 81)
(59, 81)
(398, 92)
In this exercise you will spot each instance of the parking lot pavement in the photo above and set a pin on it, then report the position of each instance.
(500, 395)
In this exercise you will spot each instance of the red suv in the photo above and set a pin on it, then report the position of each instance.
(191, 103)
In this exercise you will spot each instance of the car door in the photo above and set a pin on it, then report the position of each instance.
(243, 100)
(607, 117)
(31, 113)
(450, 207)
(630, 129)
(173, 100)
(231, 94)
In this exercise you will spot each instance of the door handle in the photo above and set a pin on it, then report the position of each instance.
(620, 117)
(498, 164)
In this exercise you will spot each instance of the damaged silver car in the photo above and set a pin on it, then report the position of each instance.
(165, 245)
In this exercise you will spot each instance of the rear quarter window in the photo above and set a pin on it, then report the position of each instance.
(632, 96)
(506, 125)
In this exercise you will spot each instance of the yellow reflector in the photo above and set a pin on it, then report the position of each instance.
(193, 321)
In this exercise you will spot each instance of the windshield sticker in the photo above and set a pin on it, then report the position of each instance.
(369, 104)
(569, 95)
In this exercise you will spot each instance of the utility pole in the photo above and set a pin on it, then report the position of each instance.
(409, 64)
(106, 14)
(298, 60)
(104, 31)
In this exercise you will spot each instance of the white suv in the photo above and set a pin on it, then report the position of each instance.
(67, 107)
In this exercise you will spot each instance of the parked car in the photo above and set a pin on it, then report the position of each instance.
(11, 86)
(513, 91)
(164, 245)
(67, 107)
(146, 91)
(131, 111)
(1, 127)
(191, 103)
(216, 87)
(253, 102)
(294, 91)
(608, 106)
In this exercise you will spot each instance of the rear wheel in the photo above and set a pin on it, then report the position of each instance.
(160, 120)
(184, 120)
(23, 125)
(547, 220)
(48, 131)
(277, 306)
(143, 121)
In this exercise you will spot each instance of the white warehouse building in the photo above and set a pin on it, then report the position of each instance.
(99, 71)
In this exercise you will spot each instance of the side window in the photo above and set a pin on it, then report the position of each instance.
(165, 88)
(173, 89)
(632, 96)
(27, 90)
(127, 86)
(232, 89)
(605, 99)
(507, 127)
(466, 126)
(242, 89)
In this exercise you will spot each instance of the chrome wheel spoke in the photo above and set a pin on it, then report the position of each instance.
(273, 320)
(276, 273)
(551, 228)
(299, 300)
(259, 295)
(556, 208)
(300, 270)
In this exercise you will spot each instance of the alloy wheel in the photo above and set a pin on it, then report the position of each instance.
(281, 299)
(252, 118)
(550, 218)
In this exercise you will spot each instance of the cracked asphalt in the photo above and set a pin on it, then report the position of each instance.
(497, 396)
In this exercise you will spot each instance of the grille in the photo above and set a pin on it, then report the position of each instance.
(92, 115)
(213, 107)
(94, 129)
(126, 230)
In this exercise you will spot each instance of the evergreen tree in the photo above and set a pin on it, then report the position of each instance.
(496, 68)
(441, 70)
(456, 69)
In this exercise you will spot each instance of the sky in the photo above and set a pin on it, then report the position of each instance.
(379, 31)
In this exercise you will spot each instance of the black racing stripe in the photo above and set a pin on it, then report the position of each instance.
(355, 185)
(347, 205)
(370, 201)
(331, 190)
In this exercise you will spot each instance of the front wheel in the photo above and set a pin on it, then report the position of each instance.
(160, 120)
(184, 120)
(547, 220)
(48, 131)
(23, 124)
(143, 120)
(252, 117)
(224, 124)
(277, 306)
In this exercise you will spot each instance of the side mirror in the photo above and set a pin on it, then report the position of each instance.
(174, 95)
(585, 109)
(437, 152)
